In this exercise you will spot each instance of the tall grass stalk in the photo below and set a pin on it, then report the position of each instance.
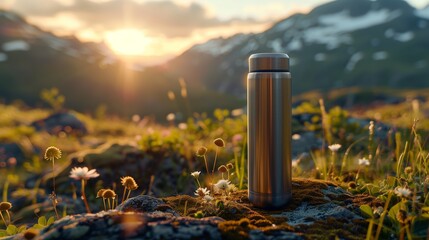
(346, 154)
(383, 215)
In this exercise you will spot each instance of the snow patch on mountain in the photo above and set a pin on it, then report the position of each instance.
(294, 45)
(333, 28)
(404, 37)
(16, 45)
(381, 55)
(353, 61)
(276, 45)
(220, 46)
(3, 57)
(423, 13)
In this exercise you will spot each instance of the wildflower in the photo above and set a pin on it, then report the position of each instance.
(171, 95)
(100, 193)
(408, 170)
(182, 126)
(201, 192)
(12, 161)
(378, 211)
(363, 162)
(296, 137)
(223, 169)
(219, 142)
(232, 188)
(110, 195)
(170, 117)
(352, 185)
(222, 184)
(237, 138)
(5, 206)
(52, 153)
(129, 184)
(334, 147)
(402, 192)
(196, 174)
(84, 173)
(230, 166)
(201, 151)
(208, 198)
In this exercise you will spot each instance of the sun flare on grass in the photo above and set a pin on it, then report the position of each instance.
(128, 41)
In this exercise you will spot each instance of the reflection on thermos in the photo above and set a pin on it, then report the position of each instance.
(269, 130)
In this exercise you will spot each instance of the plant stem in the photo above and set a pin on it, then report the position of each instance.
(84, 197)
(207, 166)
(380, 225)
(108, 203)
(104, 204)
(128, 195)
(53, 174)
(5, 190)
(123, 195)
(8, 215)
(214, 163)
(2, 217)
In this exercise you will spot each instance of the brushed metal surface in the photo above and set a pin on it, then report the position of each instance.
(269, 138)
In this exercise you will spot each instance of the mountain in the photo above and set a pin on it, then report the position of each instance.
(88, 74)
(344, 43)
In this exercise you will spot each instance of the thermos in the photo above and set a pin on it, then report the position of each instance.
(269, 105)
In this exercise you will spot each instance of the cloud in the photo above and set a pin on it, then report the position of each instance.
(160, 18)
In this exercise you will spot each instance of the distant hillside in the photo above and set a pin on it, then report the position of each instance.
(88, 74)
(344, 43)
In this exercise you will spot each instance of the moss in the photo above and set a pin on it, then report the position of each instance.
(241, 216)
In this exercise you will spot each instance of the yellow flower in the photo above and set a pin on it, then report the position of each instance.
(201, 151)
(219, 142)
(108, 193)
(4, 206)
(52, 153)
(129, 183)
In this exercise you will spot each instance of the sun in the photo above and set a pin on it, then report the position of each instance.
(128, 42)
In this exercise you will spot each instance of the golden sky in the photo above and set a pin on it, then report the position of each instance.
(157, 29)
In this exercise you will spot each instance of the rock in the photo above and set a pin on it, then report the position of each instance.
(318, 210)
(114, 161)
(61, 122)
(305, 143)
(11, 155)
(132, 225)
(144, 203)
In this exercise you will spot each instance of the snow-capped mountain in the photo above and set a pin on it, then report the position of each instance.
(344, 43)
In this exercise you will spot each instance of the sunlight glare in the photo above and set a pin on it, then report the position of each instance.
(128, 41)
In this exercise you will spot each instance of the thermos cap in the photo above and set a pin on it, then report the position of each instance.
(269, 62)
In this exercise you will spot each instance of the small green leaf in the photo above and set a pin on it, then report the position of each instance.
(22, 229)
(394, 211)
(50, 221)
(42, 221)
(11, 230)
(38, 226)
(366, 210)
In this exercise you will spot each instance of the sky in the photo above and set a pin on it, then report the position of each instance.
(158, 29)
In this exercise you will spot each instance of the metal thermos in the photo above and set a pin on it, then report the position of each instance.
(269, 130)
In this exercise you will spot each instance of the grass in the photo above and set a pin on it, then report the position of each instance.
(397, 155)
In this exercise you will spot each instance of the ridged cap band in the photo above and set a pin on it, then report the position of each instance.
(269, 62)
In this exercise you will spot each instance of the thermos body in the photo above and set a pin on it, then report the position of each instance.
(269, 130)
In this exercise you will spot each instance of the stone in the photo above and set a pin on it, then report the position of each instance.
(61, 122)
(318, 210)
(144, 203)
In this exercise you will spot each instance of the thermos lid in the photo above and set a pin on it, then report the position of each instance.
(269, 62)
